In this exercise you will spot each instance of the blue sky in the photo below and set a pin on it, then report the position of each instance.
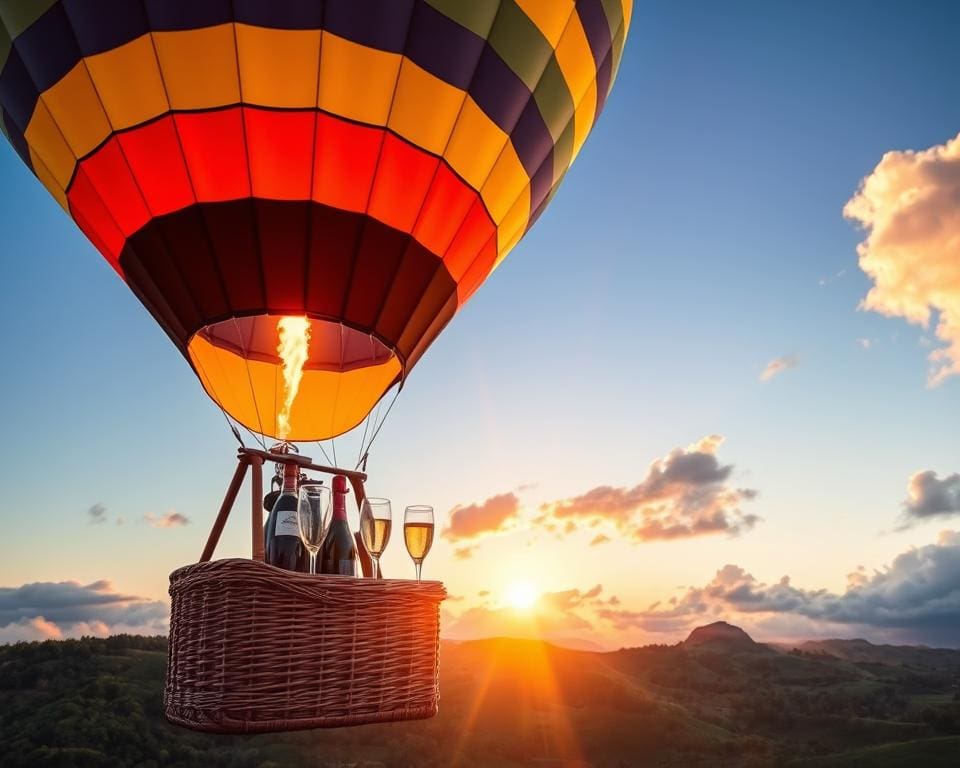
(686, 249)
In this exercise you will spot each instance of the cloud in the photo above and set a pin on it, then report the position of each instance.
(170, 520)
(686, 493)
(600, 538)
(97, 514)
(908, 207)
(832, 278)
(478, 520)
(857, 578)
(46, 610)
(778, 365)
(464, 553)
(914, 599)
(866, 343)
(930, 497)
(26, 630)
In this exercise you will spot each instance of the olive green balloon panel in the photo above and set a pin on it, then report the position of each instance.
(303, 194)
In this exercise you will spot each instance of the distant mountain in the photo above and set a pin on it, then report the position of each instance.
(721, 636)
(863, 651)
(559, 641)
(577, 644)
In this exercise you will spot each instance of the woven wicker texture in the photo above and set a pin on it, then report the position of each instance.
(255, 648)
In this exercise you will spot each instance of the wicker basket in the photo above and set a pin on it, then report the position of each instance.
(255, 648)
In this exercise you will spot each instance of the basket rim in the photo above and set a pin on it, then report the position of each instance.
(320, 582)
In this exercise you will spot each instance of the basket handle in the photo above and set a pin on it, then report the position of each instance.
(254, 458)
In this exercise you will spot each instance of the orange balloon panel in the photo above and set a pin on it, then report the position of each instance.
(343, 376)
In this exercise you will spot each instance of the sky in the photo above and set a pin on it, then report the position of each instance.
(685, 396)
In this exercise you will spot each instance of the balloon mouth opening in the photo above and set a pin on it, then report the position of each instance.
(332, 346)
(293, 377)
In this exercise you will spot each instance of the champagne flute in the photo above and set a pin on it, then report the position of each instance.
(418, 533)
(313, 518)
(375, 523)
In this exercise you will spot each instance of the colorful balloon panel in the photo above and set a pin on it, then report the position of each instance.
(362, 163)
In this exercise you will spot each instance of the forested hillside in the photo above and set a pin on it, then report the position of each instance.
(97, 702)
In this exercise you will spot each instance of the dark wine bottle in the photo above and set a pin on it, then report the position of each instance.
(339, 552)
(283, 547)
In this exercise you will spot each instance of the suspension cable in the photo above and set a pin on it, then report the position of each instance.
(378, 427)
(325, 455)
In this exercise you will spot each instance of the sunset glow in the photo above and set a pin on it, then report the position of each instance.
(522, 596)
(337, 395)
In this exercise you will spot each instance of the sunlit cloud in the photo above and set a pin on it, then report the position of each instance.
(930, 497)
(97, 513)
(494, 515)
(915, 599)
(686, 493)
(52, 610)
(778, 365)
(28, 630)
(600, 538)
(908, 207)
(858, 577)
(170, 520)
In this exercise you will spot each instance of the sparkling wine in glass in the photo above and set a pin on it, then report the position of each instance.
(375, 523)
(313, 518)
(418, 533)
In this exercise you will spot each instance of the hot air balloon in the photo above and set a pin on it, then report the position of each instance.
(365, 165)
(304, 193)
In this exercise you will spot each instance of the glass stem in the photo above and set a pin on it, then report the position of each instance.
(375, 566)
(418, 563)
(313, 562)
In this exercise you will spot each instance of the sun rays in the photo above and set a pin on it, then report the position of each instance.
(526, 674)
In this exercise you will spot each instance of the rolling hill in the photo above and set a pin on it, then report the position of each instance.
(860, 650)
(720, 700)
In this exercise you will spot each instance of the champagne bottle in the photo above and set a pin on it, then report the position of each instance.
(339, 552)
(283, 547)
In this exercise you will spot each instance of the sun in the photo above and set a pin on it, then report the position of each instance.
(522, 595)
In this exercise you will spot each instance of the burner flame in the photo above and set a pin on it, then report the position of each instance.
(294, 351)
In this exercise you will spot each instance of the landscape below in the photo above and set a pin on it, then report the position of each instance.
(718, 698)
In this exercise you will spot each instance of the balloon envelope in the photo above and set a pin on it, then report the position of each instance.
(361, 164)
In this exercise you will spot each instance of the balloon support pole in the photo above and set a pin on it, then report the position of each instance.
(253, 459)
